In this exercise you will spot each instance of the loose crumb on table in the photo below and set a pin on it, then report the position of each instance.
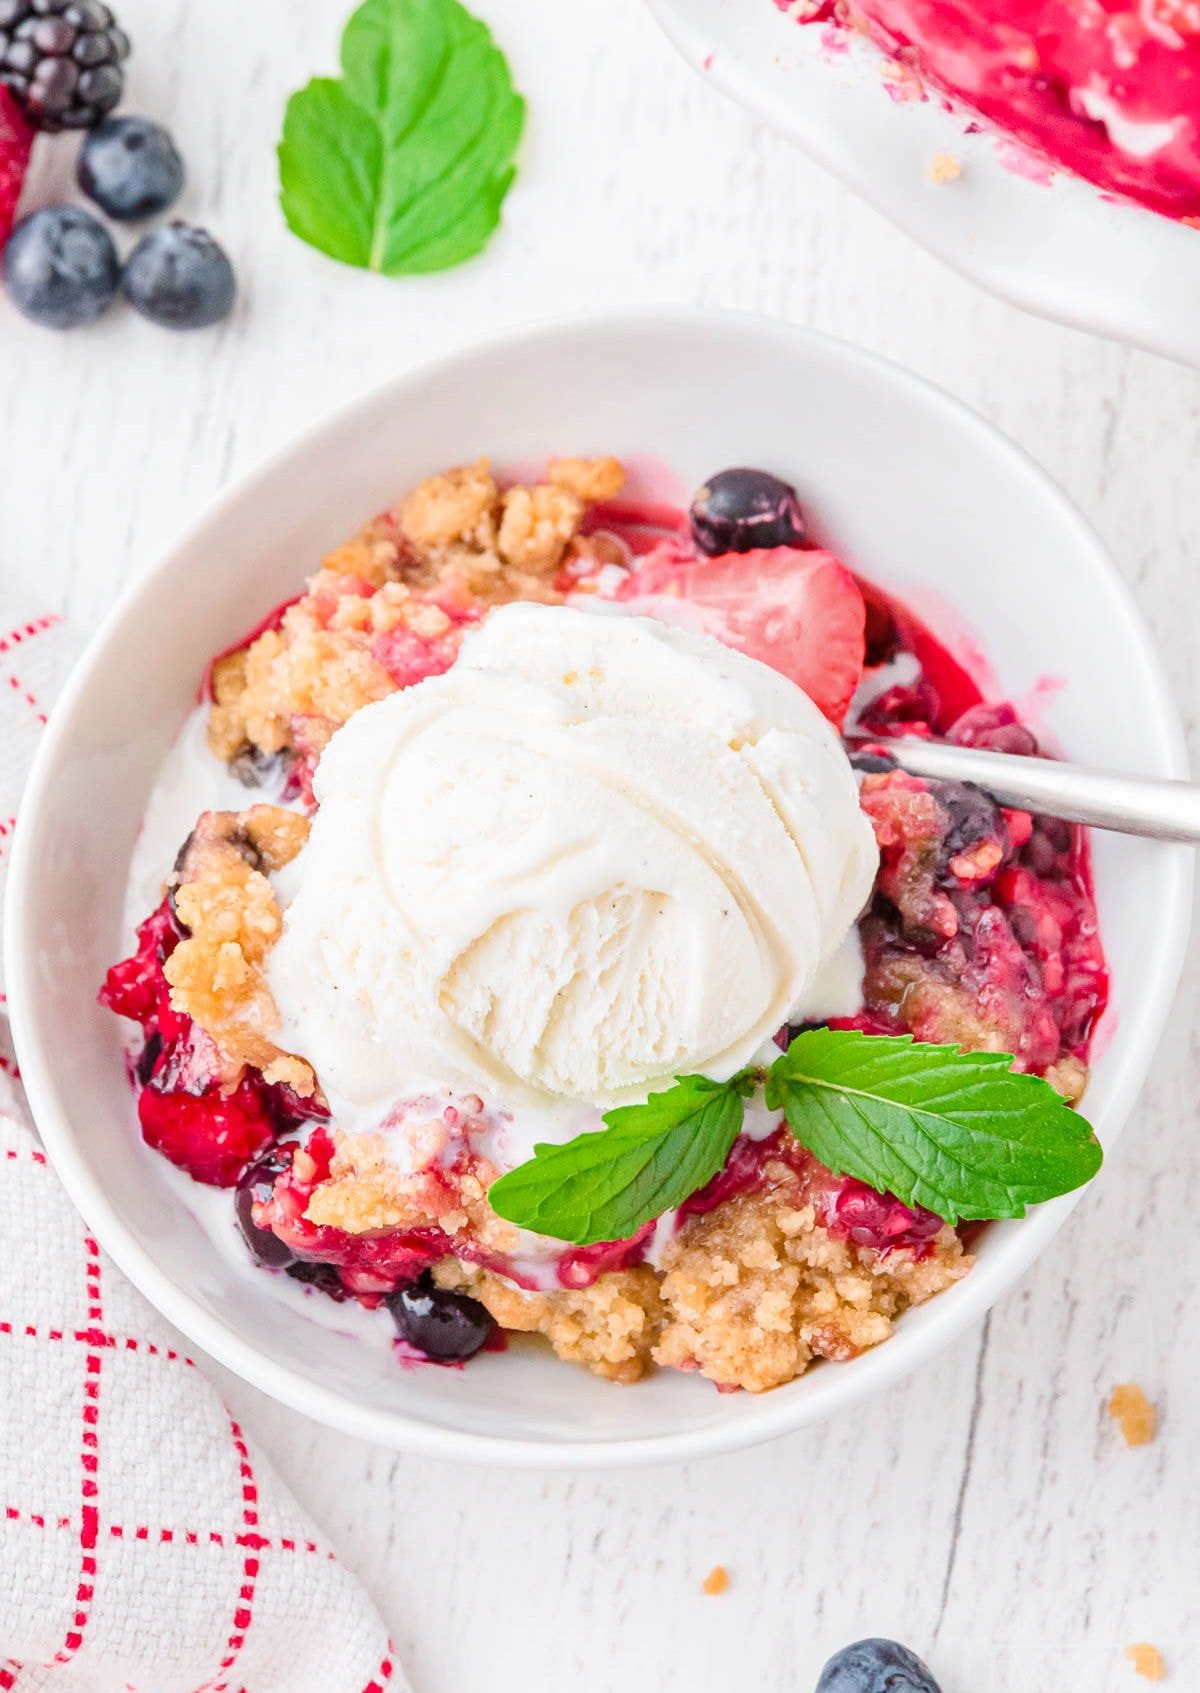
(717, 1581)
(1147, 1661)
(1134, 1412)
(944, 167)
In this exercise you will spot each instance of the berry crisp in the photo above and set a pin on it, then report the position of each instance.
(981, 930)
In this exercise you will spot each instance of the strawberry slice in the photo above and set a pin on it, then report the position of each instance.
(798, 611)
(16, 144)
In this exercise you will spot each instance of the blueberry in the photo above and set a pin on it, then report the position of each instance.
(974, 818)
(130, 167)
(255, 1188)
(61, 268)
(179, 277)
(148, 1058)
(737, 510)
(876, 1666)
(323, 1277)
(446, 1327)
(255, 768)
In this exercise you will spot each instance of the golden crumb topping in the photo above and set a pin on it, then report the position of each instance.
(590, 479)
(223, 897)
(748, 1294)
(456, 506)
(757, 1288)
(378, 553)
(391, 604)
(536, 524)
(609, 1326)
(366, 1192)
(301, 670)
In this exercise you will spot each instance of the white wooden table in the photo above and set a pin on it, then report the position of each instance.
(988, 1513)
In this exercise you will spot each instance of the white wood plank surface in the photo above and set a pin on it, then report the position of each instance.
(987, 1513)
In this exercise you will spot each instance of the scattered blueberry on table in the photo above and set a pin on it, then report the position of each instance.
(876, 1666)
(61, 268)
(180, 278)
(739, 510)
(130, 167)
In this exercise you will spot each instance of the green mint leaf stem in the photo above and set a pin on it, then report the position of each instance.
(403, 165)
(960, 1133)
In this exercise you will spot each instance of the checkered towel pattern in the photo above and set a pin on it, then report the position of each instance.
(145, 1546)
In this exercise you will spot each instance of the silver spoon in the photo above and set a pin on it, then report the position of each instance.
(1107, 799)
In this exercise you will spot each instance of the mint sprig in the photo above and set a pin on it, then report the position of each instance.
(647, 1160)
(960, 1133)
(403, 164)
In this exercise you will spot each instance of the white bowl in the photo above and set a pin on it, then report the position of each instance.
(913, 488)
(1062, 248)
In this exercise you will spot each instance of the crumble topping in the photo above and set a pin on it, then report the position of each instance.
(757, 1288)
(609, 1326)
(589, 479)
(303, 670)
(536, 524)
(454, 506)
(221, 894)
(1133, 1413)
(751, 1294)
(389, 607)
(367, 1193)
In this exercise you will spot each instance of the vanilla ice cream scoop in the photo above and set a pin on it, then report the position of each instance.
(596, 853)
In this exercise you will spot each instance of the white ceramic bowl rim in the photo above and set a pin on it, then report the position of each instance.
(775, 1414)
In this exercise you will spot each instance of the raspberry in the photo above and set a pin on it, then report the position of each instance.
(211, 1135)
(16, 144)
(62, 59)
(878, 1219)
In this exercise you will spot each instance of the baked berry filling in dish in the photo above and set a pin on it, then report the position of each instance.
(1108, 89)
(576, 962)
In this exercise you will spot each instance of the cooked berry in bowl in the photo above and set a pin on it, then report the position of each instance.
(532, 957)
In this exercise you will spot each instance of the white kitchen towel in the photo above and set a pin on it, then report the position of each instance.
(145, 1545)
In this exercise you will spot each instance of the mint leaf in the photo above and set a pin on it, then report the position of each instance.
(649, 1159)
(958, 1132)
(403, 165)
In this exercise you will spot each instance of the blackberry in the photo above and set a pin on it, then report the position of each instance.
(61, 60)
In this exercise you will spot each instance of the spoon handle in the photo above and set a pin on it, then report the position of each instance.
(1132, 805)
